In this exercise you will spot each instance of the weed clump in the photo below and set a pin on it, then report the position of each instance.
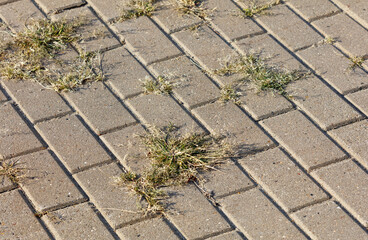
(33, 54)
(157, 86)
(10, 170)
(174, 160)
(191, 7)
(356, 62)
(258, 9)
(230, 93)
(138, 8)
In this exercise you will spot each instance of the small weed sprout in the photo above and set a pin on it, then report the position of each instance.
(137, 8)
(258, 9)
(157, 86)
(329, 40)
(9, 169)
(175, 160)
(191, 7)
(356, 62)
(229, 93)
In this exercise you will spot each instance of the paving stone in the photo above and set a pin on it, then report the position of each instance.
(354, 138)
(19, 13)
(126, 145)
(228, 21)
(116, 204)
(191, 85)
(171, 20)
(313, 9)
(333, 67)
(99, 108)
(184, 203)
(76, 222)
(16, 137)
(45, 183)
(5, 35)
(6, 184)
(321, 104)
(155, 228)
(93, 33)
(257, 217)
(55, 6)
(3, 2)
(36, 102)
(283, 180)
(360, 100)
(161, 111)
(230, 177)
(348, 183)
(109, 10)
(309, 146)
(227, 236)
(292, 31)
(356, 8)
(229, 120)
(145, 40)
(17, 219)
(342, 28)
(72, 143)
(2, 97)
(123, 72)
(328, 221)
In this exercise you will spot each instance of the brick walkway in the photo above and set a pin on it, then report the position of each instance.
(307, 180)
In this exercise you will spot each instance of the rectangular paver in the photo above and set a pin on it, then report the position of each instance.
(3, 98)
(5, 183)
(230, 121)
(145, 40)
(16, 137)
(186, 201)
(191, 85)
(72, 143)
(45, 183)
(303, 140)
(328, 221)
(55, 6)
(109, 10)
(348, 183)
(360, 100)
(355, 8)
(117, 204)
(313, 9)
(99, 108)
(283, 180)
(257, 217)
(354, 138)
(17, 219)
(233, 235)
(63, 222)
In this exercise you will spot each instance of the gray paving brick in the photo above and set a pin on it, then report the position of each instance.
(230, 121)
(117, 204)
(342, 28)
(313, 9)
(333, 67)
(72, 143)
(356, 8)
(227, 179)
(328, 221)
(257, 217)
(321, 104)
(191, 85)
(36, 102)
(161, 111)
(5, 35)
(16, 137)
(46, 184)
(54, 6)
(6, 184)
(76, 222)
(17, 219)
(99, 108)
(145, 40)
(93, 33)
(170, 20)
(289, 28)
(283, 180)
(123, 72)
(348, 183)
(303, 140)
(154, 228)
(354, 138)
(2, 97)
(109, 10)
(227, 236)
(3, 2)
(126, 145)
(17, 14)
(360, 100)
(184, 204)
(226, 17)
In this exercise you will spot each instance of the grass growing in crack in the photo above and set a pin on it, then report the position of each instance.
(258, 9)
(191, 7)
(264, 77)
(356, 62)
(10, 170)
(157, 86)
(230, 93)
(329, 40)
(137, 8)
(175, 160)
(33, 54)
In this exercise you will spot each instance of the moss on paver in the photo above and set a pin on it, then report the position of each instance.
(175, 160)
(35, 55)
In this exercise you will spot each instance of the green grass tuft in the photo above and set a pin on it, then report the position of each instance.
(258, 9)
(138, 8)
(356, 62)
(230, 93)
(157, 86)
